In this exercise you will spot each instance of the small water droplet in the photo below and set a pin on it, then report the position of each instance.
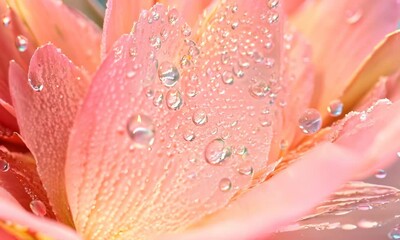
(38, 208)
(367, 224)
(199, 117)
(381, 174)
(188, 135)
(259, 90)
(186, 30)
(234, 8)
(225, 184)
(168, 74)
(235, 25)
(349, 226)
(272, 3)
(227, 77)
(155, 41)
(21, 43)
(363, 117)
(173, 16)
(130, 74)
(158, 98)
(242, 150)
(394, 233)
(35, 85)
(216, 152)
(246, 169)
(335, 108)
(353, 16)
(6, 20)
(186, 61)
(273, 17)
(141, 130)
(284, 144)
(310, 122)
(174, 99)
(4, 166)
(194, 51)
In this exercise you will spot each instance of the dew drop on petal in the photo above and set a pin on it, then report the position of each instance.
(38, 208)
(246, 169)
(225, 184)
(216, 152)
(35, 85)
(394, 233)
(310, 121)
(227, 77)
(4, 166)
(173, 15)
(158, 98)
(199, 117)
(189, 135)
(381, 174)
(353, 16)
(273, 17)
(6, 20)
(168, 74)
(186, 30)
(174, 99)
(335, 108)
(21, 43)
(272, 3)
(259, 90)
(141, 131)
(367, 224)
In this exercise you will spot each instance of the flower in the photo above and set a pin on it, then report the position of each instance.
(208, 131)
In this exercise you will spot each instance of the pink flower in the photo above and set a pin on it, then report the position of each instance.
(177, 130)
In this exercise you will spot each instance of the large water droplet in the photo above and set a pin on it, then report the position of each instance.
(200, 117)
(141, 131)
(216, 152)
(394, 233)
(168, 74)
(335, 108)
(174, 99)
(38, 208)
(225, 184)
(35, 85)
(4, 166)
(310, 122)
(21, 43)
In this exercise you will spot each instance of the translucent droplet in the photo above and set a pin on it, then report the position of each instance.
(4, 166)
(310, 122)
(246, 169)
(242, 150)
(141, 131)
(353, 16)
(130, 74)
(188, 135)
(235, 25)
(381, 174)
(6, 20)
(284, 144)
(168, 74)
(335, 108)
(225, 184)
(186, 61)
(21, 43)
(349, 226)
(394, 233)
(186, 30)
(259, 90)
(158, 98)
(174, 99)
(367, 224)
(194, 51)
(38, 208)
(216, 152)
(155, 42)
(272, 3)
(199, 117)
(35, 85)
(273, 17)
(227, 77)
(173, 16)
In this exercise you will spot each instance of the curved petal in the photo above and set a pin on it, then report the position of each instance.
(344, 39)
(16, 223)
(119, 18)
(19, 177)
(291, 6)
(52, 21)
(46, 103)
(146, 186)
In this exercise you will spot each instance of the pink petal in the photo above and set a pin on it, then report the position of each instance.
(119, 19)
(19, 177)
(282, 199)
(191, 10)
(291, 6)
(344, 39)
(15, 221)
(52, 21)
(144, 191)
(46, 103)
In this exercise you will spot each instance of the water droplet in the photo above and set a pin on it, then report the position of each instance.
(284, 144)
(130, 74)
(235, 25)
(272, 3)
(188, 135)
(363, 117)
(349, 226)
(186, 61)
(194, 51)
(353, 16)
(186, 30)
(273, 17)
(246, 169)
(38, 208)
(155, 41)
(381, 174)
(4, 166)
(335, 108)
(367, 224)
(158, 97)
(310, 122)
(35, 85)
(173, 16)
(216, 152)
(270, 62)
(225, 184)
(394, 233)
(168, 74)
(21, 43)
(174, 99)
(6, 20)
(200, 117)
(227, 77)
(242, 150)
(259, 90)
(141, 131)
(234, 8)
